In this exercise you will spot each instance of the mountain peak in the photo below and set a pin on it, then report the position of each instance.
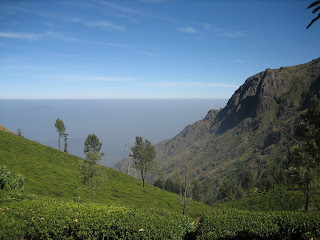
(255, 127)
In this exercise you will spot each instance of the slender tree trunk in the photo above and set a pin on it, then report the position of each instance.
(59, 141)
(142, 176)
(91, 189)
(307, 194)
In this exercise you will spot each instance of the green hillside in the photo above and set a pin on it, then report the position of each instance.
(50, 172)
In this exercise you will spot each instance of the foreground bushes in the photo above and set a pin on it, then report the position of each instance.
(53, 219)
(29, 217)
(239, 224)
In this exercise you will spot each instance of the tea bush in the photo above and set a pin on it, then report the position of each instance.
(43, 218)
(239, 224)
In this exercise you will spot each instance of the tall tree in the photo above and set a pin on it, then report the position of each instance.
(90, 167)
(60, 129)
(142, 153)
(92, 143)
(185, 188)
(247, 182)
(314, 4)
(303, 161)
(229, 190)
(301, 169)
(90, 170)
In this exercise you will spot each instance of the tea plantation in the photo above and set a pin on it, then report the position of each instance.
(122, 208)
(31, 217)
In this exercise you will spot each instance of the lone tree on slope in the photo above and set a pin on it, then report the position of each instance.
(60, 129)
(90, 167)
(142, 153)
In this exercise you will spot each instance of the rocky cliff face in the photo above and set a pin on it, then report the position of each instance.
(258, 94)
(255, 127)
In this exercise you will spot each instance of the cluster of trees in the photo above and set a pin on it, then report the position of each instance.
(300, 170)
(302, 166)
(142, 154)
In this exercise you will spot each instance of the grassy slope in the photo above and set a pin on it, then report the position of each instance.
(50, 172)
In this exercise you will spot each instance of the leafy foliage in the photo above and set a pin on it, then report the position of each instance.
(239, 224)
(45, 218)
(143, 153)
(303, 161)
(229, 190)
(247, 182)
(60, 129)
(91, 170)
(9, 182)
(92, 143)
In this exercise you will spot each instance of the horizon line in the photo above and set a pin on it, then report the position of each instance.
(114, 98)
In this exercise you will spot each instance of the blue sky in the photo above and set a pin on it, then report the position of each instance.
(147, 48)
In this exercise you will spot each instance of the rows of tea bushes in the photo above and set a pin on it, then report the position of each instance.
(31, 217)
(240, 224)
(43, 218)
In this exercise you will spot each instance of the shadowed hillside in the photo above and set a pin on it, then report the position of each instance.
(254, 128)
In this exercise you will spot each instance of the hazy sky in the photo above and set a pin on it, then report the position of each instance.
(147, 48)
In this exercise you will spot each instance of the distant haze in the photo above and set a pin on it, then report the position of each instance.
(115, 122)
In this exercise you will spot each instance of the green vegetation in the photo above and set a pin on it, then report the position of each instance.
(92, 143)
(142, 154)
(302, 164)
(90, 167)
(9, 182)
(239, 224)
(279, 200)
(60, 129)
(31, 217)
(28, 217)
(50, 172)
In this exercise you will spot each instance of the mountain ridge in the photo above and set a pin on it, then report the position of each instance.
(255, 127)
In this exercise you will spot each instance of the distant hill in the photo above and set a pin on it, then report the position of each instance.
(50, 172)
(254, 128)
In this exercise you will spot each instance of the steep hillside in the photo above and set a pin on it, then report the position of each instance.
(254, 128)
(50, 172)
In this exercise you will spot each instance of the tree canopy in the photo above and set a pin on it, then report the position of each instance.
(92, 143)
(303, 161)
(142, 153)
(61, 129)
